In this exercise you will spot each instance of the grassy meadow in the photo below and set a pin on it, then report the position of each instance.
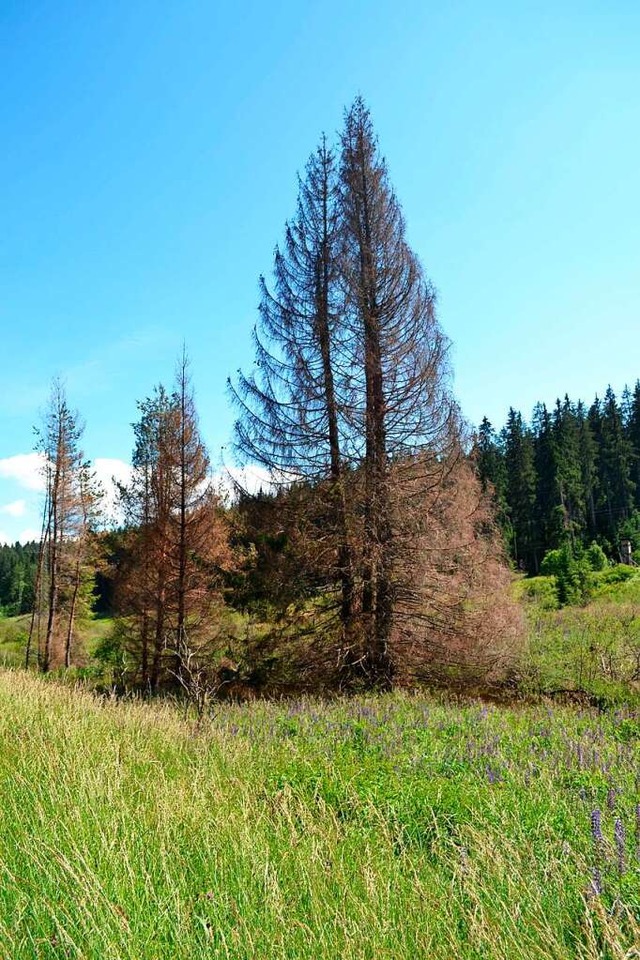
(15, 630)
(381, 827)
(378, 827)
(592, 649)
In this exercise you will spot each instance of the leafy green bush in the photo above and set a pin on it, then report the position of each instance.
(573, 569)
(539, 590)
(572, 572)
(596, 557)
(621, 573)
(551, 563)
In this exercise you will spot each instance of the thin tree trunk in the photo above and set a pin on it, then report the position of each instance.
(324, 339)
(35, 613)
(158, 642)
(52, 606)
(377, 593)
(145, 649)
(72, 614)
(182, 546)
(53, 562)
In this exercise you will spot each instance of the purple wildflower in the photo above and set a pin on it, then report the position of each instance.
(619, 835)
(595, 887)
(596, 827)
(611, 797)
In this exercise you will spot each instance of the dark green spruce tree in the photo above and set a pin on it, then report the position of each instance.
(633, 437)
(615, 501)
(566, 430)
(550, 521)
(492, 471)
(521, 492)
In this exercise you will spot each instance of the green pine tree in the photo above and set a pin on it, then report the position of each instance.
(521, 492)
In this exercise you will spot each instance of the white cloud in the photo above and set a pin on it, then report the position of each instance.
(109, 468)
(16, 509)
(251, 479)
(26, 536)
(111, 471)
(25, 469)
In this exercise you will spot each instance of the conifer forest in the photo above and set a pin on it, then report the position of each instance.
(570, 475)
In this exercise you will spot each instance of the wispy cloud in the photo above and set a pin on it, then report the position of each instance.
(25, 469)
(26, 392)
(110, 471)
(26, 536)
(96, 373)
(250, 479)
(17, 508)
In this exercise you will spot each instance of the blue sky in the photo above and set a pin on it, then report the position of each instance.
(148, 162)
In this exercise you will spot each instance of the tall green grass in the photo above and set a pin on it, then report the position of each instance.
(594, 649)
(383, 828)
(14, 632)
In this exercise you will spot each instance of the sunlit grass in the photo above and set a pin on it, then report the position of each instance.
(374, 828)
(594, 649)
(14, 632)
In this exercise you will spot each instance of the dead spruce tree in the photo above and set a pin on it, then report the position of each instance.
(353, 391)
(66, 565)
(453, 620)
(142, 578)
(169, 587)
(401, 398)
(292, 407)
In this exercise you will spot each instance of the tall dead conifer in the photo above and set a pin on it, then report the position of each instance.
(401, 399)
(291, 409)
(170, 584)
(70, 514)
(352, 391)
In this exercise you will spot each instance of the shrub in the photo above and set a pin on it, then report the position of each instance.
(572, 572)
(596, 557)
(551, 563)
(621, 573)
(540, 590)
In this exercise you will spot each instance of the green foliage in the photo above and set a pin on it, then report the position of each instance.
(595, 648)
(387, 827)
(540, 591)
(620, 573)
(110, 655)
(520, 489)
(13, 638)
(18, 565)
(572, 474)
(571, 569)
(552, 563)
(596, 557)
